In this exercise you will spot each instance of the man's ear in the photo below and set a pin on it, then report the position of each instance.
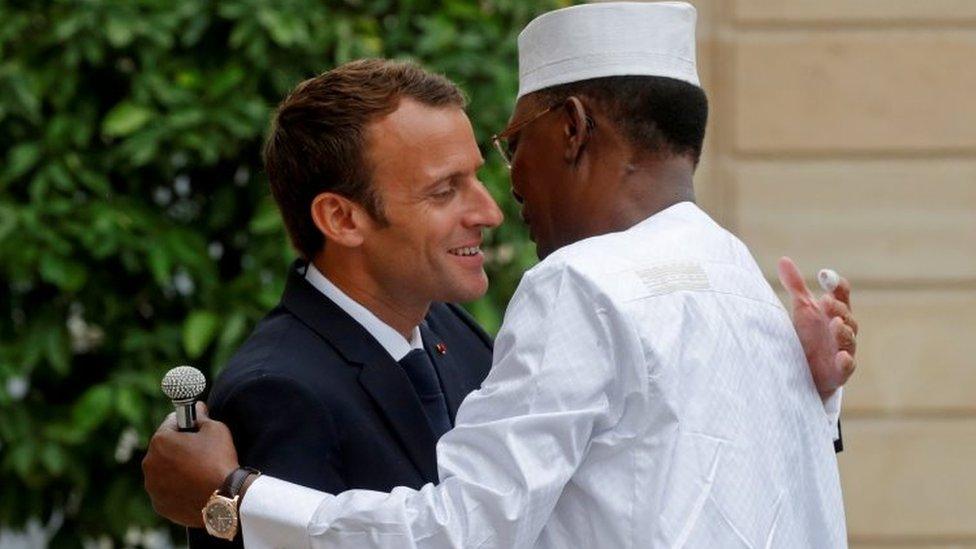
(576, 129)
(339, 219)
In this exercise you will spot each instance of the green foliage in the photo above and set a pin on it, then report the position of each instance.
(136, 228)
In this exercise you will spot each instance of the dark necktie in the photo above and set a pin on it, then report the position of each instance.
(420, 370)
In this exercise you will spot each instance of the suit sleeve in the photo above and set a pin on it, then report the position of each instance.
(281, 429)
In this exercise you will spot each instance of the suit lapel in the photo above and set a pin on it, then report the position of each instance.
(447, 369)
(380, 377)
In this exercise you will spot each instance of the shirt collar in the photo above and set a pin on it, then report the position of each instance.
(679, 210)
(391, 340)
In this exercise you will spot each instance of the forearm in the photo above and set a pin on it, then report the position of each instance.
(485, 498)
(501, 479)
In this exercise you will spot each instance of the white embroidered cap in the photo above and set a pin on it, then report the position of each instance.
(608, 39)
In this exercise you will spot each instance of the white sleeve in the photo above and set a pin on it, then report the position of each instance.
(517, 441)
(275, 513)
(832, 409)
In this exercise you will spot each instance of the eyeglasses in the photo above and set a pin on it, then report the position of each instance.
(500, 140)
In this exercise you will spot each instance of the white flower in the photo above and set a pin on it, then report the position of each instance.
(156, 539)
(17, 387)
(84, 336)
(128, 441)
(241, 176)
(162, 196)
(178, 160)
(183, 284)
(215, 250)
(182, 185)
(132, 536)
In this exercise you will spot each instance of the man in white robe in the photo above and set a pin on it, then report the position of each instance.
(648, 388)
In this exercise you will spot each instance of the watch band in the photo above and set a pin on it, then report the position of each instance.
(235, 480)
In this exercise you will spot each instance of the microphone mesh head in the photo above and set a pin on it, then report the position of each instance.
(183, 382)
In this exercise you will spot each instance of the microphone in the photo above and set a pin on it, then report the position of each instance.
(183, 385)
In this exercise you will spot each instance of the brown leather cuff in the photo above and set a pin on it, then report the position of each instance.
(235, 480)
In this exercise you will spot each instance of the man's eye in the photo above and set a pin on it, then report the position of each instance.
(443, 194)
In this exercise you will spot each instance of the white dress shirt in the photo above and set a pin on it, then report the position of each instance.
(391, 340)
(648, 390)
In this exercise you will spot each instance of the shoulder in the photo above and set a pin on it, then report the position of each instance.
(447, 316)
(280, 351)
(573, 271)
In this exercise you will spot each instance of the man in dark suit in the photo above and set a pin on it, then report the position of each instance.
(327, 391)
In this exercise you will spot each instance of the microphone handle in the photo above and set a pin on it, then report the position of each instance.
(186, 414)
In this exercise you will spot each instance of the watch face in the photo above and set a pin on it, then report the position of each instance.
(220, 517)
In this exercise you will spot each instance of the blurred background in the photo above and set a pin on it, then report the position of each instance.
(137, 231)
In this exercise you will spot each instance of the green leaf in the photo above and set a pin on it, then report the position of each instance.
(67, 274)
(130, 406)
(92, 408)
(95, 181)
(199, 330)
(65, 433)
(53, 458)
(159, 265)
(266, 219)
(233, 330)
(21, 159)
(8, 221)
(22, 459)
(124, 119)
(59, 176)
(118, 32)
(57, 351)
(486, 315)
(284, 28)
(226, 81)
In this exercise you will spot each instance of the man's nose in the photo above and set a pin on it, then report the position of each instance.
(484, 210)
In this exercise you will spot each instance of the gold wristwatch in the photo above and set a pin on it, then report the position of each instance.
(220, 513)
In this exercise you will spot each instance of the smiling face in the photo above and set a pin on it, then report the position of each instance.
(425, 162)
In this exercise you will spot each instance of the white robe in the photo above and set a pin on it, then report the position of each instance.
(648, 390)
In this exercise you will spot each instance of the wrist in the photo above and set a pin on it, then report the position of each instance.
(221, 515)
(221, 475)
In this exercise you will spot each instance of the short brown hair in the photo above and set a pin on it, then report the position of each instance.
(318, 138)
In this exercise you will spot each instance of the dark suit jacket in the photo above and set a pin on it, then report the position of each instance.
(312, 398)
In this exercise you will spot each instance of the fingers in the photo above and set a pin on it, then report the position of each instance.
(844, 336)
(211, 426)
(168, 424)
(845, 365)
(202, 411)
(843, 292)
(836, 308)
(792, 280)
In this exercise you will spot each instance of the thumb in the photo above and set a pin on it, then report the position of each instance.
(792, 280)
(202, 412)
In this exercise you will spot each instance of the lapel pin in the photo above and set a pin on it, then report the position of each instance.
(441, 349)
